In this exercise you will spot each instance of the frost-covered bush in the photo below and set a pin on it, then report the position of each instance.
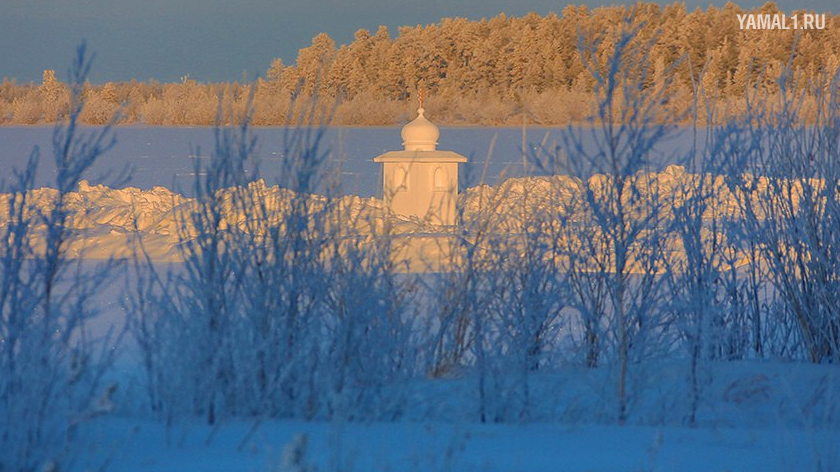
(618, 217)
(701, 275)
(786, 169)
(497, 307)
(367, 109)
(50, 367)
(281, 308)
(27, 110)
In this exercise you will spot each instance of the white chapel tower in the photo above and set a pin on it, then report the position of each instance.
(421, 181)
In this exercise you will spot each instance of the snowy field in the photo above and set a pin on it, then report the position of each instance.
(756, 416)
(752, 415)
(142, 445)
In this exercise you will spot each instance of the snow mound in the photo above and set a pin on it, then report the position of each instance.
(110, 222)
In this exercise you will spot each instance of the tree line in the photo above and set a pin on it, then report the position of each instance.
(496, 71)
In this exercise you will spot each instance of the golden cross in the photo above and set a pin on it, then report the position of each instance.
(421, 98)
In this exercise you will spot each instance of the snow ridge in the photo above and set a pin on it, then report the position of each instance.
(110, 222)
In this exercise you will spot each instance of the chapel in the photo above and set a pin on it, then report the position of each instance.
(421, 181)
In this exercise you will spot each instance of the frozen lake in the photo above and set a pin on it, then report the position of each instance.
(167, 156)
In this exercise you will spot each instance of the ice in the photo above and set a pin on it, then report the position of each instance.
(161, 156)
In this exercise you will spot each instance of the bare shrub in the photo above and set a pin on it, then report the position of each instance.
(785, 170)
(51, 367)
(281, 308)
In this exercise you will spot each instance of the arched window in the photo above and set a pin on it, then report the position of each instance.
(400, 179)
(439, 178)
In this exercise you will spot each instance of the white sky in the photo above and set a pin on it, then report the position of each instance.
(220, 40)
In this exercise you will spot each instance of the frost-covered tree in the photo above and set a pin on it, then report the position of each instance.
(313, 65)
(52, 96)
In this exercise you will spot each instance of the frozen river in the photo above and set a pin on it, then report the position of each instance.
(167, 156)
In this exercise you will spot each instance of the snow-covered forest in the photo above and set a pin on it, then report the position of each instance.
(699, 299)
(501, 70)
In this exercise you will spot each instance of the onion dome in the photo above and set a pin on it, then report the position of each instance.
(421, 134)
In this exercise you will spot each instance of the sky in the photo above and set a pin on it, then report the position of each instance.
(227, 40)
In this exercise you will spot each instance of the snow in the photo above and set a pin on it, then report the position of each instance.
(440, 446)
(753, 432)
(111, 222)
